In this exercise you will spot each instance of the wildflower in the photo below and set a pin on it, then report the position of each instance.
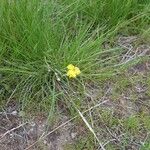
(73, 71)
(70, 67)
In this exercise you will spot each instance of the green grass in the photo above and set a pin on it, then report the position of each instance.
(38, 39)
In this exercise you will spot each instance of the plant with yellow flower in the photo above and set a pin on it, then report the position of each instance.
(73, 71)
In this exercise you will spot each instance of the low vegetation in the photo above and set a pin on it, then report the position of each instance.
(105, 42)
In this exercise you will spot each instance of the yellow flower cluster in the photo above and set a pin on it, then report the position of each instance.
(73, 71)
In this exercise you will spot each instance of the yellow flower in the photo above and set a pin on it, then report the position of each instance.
(73, 71)
(70, 67)
(77, 71)
(71, 74)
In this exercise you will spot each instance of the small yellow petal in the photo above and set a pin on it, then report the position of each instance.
(77, 71)
(68, 74)
(70, 67)
(71, 74)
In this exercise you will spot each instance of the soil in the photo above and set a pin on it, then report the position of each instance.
(20, 136)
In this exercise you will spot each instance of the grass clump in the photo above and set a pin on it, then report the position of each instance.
(39, 39)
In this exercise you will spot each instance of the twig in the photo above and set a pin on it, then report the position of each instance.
(63, 124)
(9, 131)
